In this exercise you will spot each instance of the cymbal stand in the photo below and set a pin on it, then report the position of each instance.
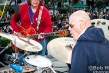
(52, 69)
(9, 45)
(15, 52)
(2, 64)
(26, 53)
(16, 58)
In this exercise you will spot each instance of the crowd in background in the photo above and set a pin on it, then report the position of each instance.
(60, 20)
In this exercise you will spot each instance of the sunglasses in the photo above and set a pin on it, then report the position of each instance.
(71, 26)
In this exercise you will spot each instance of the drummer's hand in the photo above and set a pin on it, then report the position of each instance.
(40, 36)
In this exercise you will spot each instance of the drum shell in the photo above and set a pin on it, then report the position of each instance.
(38, 69)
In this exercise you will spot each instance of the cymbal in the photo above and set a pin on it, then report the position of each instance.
(61, 48)
(23, 43)
(25, 69)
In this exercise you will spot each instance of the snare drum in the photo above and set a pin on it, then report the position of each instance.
(41, 63)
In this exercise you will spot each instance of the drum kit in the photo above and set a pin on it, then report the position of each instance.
(38, 63)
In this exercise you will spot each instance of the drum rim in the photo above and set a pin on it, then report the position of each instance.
(28, 64)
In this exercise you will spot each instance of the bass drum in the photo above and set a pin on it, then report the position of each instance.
(102, 23)
(61, 48)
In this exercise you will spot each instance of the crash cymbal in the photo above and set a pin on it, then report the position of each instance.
(61, 48)
(102, 23)
(23, 43)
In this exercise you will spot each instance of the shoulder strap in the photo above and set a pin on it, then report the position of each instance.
(39, 18)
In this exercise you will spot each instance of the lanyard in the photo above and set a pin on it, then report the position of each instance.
(39, 18)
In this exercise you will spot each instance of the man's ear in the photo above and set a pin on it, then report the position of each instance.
(83, 24)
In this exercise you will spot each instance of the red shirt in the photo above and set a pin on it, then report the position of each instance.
(24, 17)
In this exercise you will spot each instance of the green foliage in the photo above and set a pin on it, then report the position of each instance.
(4, 42)
(52, 37)
(99, 4)
(63, 9)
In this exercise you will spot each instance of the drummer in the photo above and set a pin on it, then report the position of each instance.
(90, 54)
(33, 14)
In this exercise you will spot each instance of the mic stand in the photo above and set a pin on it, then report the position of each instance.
(9, 45)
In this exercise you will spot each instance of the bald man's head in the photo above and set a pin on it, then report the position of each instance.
(78, 21)
(80, 15)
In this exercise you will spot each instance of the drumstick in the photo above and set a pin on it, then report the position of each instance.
(52, 69)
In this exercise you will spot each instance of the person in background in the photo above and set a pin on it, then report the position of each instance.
(8, 29)
(91, 51)
(1, 29)
(33, 14)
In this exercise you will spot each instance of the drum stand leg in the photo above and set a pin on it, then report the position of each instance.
(52, 69)
(2, 64)
(5, 48)
(3, 51)
(26, 53)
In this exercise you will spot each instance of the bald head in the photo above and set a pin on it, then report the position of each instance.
(78, 21)
(80, 15)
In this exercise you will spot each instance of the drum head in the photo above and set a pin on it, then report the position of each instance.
(61, 48)
(37, 61)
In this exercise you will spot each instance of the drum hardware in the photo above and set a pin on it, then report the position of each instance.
(10, 58)
(9, 45)
(15, 59)
(70, 46)
(2, 64)
(52, 69)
